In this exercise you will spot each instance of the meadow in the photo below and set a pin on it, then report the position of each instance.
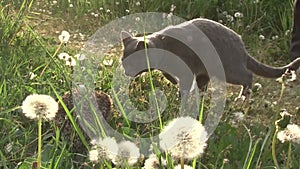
(31, 63)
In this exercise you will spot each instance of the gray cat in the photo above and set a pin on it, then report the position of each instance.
(237, 63)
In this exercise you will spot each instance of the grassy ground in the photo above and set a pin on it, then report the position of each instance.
(29, 33)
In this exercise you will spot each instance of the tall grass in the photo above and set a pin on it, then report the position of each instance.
(25, 51)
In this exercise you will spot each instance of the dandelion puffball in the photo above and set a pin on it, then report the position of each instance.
(184, 137)
(39, 106)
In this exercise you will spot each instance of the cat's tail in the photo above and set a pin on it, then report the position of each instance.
(268, 71)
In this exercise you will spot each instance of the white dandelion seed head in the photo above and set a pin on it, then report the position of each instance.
(128, 154)
(261, 37)
(185, 167)
(64, 36)
(107, 148)
(63, 56)
(290, 133)
(39, 106)
(183, 137)
(93, 155)
(151, 162)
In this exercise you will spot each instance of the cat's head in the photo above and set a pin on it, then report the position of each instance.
(134, 52)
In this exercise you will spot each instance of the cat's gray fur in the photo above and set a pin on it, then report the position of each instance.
(238, 64)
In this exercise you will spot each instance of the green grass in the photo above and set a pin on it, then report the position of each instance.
(29, 38)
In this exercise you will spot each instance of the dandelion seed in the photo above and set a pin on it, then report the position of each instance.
(64, 56)
(71, 61)
(64, 37)
(291, 133)
(184, 137)
(238, 15)
(103, 149)
(185, 167)
(128, 154)
(37, 106)
(261, 37)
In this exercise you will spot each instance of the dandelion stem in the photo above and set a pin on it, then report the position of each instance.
(288, 161)
(274, 148)
(182, 162)
(39, 143)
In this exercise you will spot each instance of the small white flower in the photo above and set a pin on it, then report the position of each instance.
(128, 154)
(127, 11)
(183, 137)
(138, 3)
(71, 5)
(238, 15)
(261, 37)
(274, 37)
(71, 61)
(258, 86)
(64, 56)
(293, 76)
(31, 75)
(101, 8)
(291, 133)
(54, 2)
(108, 11)
(137, 19)
(37, 106)
(64, 37)
(173, 7)
(117, 3)
(229, 18)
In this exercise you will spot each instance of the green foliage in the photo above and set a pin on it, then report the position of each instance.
(24, 49)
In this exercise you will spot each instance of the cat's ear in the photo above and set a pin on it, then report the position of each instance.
(125, 35)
